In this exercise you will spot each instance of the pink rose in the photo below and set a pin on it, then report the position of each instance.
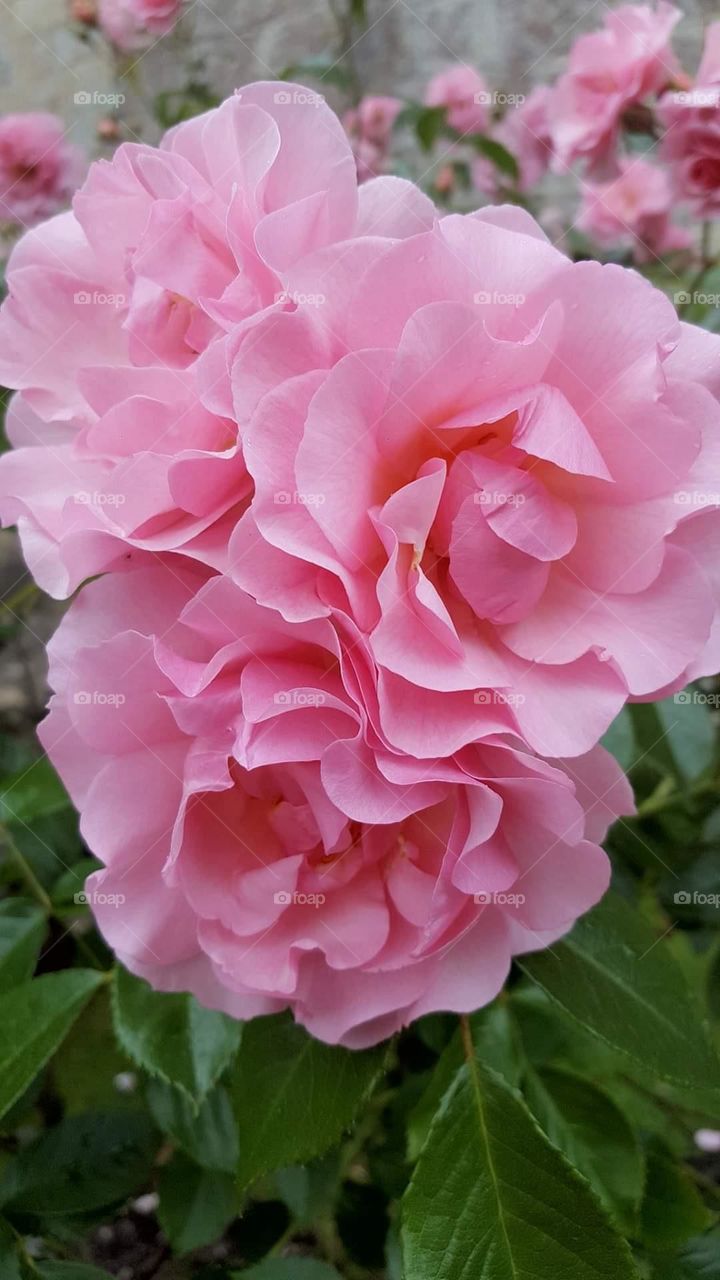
(464, 93)
(133, 24)
(504, 469)
(267, 845)
(691, 144)
(633, 210)
(39, 169)
(525, 132)
(116, 325)
(369, 126)
(609, 70)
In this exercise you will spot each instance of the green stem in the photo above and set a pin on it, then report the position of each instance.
(26, 872)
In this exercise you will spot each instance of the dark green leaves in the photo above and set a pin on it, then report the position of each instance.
(84, 1163)
(172, 1036)
(615, 976)
(196, 1205)
(22, 928)
(490, 1197)
(35, 1018)
(294, 1096)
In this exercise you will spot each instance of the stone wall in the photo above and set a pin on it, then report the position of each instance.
(44, 64)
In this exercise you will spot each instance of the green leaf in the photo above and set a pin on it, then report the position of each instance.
(196, 1205)
(619, 740)
(172, 1036)
(429, 124)
(35, 1018)
(327, 70)
(491, 1197)
(22, 929)
(85, 1068)
(498, 155)
(85, 1163)
(688, 724)
(294, 1096)
(288, 1269)
(208, 1135)
(9, 1254)
(615, 977)
(33, 793)
(672, 1210)
(593, 1133)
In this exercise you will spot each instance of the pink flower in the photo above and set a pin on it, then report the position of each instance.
(691, 145)
(524, 131)
(708, 1140)
(627, 61)
(39, 169)
(503, 466)
(369, 126)
(266, 842)
(464, 93)
(133, 24)
(116, 325)
(633, 210)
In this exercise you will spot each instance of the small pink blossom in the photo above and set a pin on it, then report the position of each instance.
(369, 126)
(627, 61)
(39, 169)
(634, 210)
(132, 24)
(464, 93)
(708, 1140)
(524, 131)
(691, 144)
(265, 842)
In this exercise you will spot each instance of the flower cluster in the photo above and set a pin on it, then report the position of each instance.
(392, 512)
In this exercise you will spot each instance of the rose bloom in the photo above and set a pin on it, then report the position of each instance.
(464, 93)
(39, 170)
(114, 328)
(609, 70)
(505, 470)
(369, 127)
(691, 144)
(633, 210)
(269, 841)
(525, 132)
(134, 24)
